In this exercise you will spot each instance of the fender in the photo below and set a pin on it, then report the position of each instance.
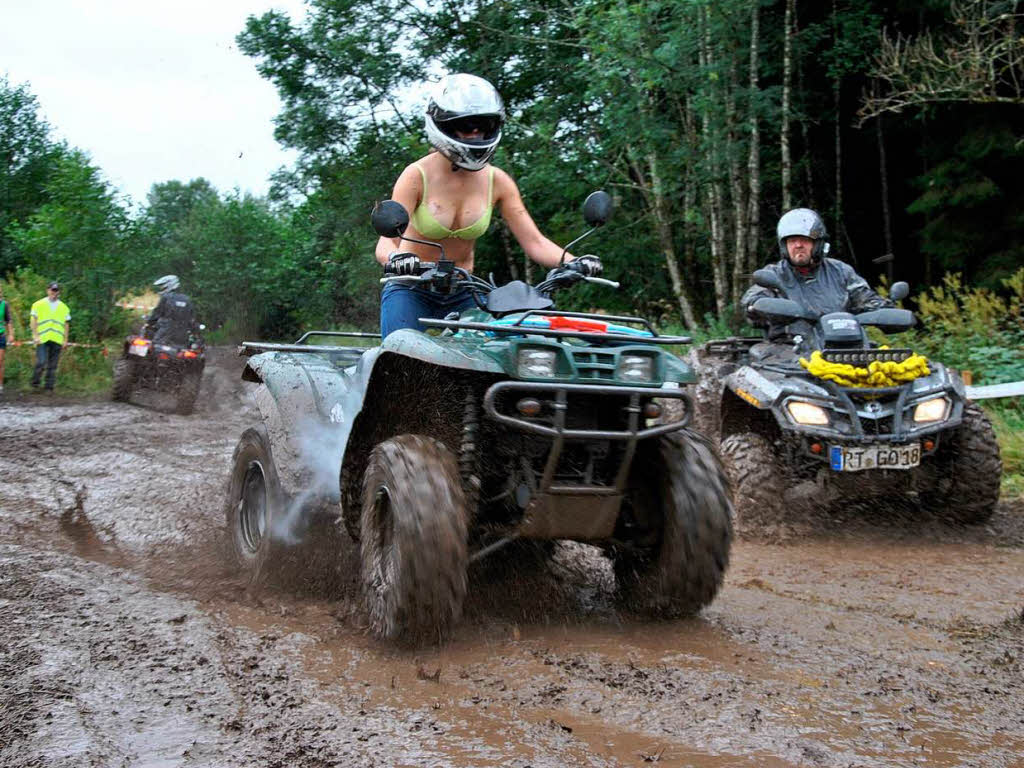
(429, 349)
(679, 370)
(303, 401)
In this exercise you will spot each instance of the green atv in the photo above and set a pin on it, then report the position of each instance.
(510, 422)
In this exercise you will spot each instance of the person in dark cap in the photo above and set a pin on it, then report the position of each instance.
(51, 323)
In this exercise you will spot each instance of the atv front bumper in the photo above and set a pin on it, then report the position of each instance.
(581, 511)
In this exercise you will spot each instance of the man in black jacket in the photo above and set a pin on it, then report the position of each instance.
(808, 277)
(174, 317)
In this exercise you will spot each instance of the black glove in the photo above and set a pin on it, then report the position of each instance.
(587, 265)
(403, 264)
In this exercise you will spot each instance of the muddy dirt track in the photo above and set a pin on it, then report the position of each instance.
(877, 638)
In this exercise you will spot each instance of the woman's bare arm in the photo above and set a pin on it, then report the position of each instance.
(513, 211)
(407, 191)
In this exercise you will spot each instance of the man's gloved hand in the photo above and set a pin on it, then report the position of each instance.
(403, 263)
(587, 265)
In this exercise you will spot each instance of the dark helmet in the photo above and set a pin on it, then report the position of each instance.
(805, 222)
(461, 103)
(166, 284)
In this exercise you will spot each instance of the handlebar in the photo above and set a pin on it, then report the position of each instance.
(461, 278)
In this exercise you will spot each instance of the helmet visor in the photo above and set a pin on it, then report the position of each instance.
(472, 127)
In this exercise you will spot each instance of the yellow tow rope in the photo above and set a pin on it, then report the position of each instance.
(879, 373)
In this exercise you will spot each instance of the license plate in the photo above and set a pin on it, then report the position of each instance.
(843, 458)
(140, 351)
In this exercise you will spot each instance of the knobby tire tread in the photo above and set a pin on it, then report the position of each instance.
(415, 583)
(757, 481)
(685, 570)
(968, 473)
(124, 380)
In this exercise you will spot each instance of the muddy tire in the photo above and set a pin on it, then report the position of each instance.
(966, 474)
(756, 478)
(679, 495)
(413, 540)
(188, 391)
(254, 498)
(124, 380)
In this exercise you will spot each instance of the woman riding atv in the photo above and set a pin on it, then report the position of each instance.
(451, 204)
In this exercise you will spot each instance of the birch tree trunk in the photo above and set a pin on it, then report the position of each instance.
(667, 242)
(737, 192)
(883, 174)
(653, 192)
(691, 199)
(754, 153)
(837, 212)
(714, 196)
(787, 87)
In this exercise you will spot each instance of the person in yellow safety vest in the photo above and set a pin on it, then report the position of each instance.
(51, 325)
(6, 333)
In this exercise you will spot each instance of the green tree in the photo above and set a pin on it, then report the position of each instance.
(77, 237)
(27, 155)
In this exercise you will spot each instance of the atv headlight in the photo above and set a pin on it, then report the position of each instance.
(537, 363)
(635, 368)
(936, 409)
(806, 413)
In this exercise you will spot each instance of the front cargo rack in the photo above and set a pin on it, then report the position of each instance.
(519, 329)
(250, 348)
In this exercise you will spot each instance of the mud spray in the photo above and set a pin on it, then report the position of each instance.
(319, 447)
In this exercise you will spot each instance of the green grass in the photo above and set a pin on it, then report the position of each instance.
(1007, 417)
(80, 371)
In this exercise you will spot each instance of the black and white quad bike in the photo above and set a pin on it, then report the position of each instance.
(781, 428)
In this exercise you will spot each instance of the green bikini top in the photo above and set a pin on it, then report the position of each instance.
(429, 227)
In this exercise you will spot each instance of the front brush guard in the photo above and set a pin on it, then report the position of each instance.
(571, 511)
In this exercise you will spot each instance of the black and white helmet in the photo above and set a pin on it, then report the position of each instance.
(805, 222)
(462, 104)
(166, 284)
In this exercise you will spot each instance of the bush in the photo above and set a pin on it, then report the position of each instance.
(973, 329)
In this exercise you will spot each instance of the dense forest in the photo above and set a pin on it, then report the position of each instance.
(902, 122)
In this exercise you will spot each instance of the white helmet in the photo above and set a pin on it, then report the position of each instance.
(807, 223)
(459, 104)
(166, 283)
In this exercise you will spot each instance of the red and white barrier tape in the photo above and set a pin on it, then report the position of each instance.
(69, 344)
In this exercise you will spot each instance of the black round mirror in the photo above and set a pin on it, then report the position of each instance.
(899, 291)
(389, 218)
(597, 208)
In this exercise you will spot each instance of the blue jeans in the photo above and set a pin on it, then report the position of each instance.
(47, 355)
(401, 306)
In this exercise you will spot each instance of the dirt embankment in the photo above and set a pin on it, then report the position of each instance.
(874, 639)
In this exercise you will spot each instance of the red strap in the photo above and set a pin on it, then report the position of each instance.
(559, 323)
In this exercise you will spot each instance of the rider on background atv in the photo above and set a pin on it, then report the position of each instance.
(450, 203)
(808, 277)
(173, 320)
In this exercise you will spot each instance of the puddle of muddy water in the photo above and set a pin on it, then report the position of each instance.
(470, 726)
